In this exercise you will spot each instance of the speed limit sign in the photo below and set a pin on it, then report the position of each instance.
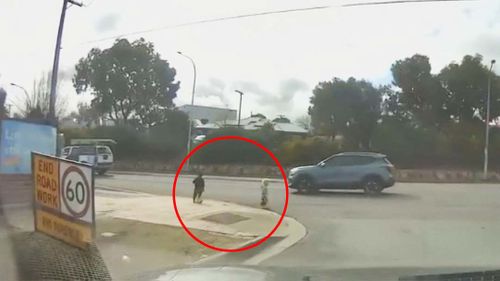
(76, 191)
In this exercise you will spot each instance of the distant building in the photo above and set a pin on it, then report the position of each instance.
(208, 114)
(255, 123)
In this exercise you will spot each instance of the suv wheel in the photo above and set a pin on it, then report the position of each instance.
(306, 184)
(372, 186)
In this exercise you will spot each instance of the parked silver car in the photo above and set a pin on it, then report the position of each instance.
(369, 171)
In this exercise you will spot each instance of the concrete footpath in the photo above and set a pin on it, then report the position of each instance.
(139, 234)
(216, 217)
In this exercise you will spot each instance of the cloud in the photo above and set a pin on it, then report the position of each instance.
(467, 12)
(214, 88)
(66, 74)
(435, 32)
(291, 87)
(279, 101)
(487, 45)
(493, 21)
(107, 23)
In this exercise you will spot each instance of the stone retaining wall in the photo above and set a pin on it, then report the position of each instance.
(406, 175)
(445, 176)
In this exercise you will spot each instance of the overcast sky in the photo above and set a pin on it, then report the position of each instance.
(275, 59)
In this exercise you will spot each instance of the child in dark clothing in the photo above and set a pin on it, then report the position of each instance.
(199, 187)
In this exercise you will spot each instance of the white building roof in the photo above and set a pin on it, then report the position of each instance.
(212, 114)
(256, 123)
(289, 128)
(208, 126)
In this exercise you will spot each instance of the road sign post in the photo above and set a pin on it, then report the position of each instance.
(64, 205)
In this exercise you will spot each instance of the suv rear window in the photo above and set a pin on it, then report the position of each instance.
(84, 150)
(103, 150)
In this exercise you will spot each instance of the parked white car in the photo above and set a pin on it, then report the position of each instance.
(99, 156)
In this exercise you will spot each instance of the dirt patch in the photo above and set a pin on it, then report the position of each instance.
(225, 218)
(135, 247)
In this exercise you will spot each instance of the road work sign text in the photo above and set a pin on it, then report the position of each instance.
(69, 232)
(46, 178)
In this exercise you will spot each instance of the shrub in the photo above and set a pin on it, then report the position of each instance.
(234, 151)
(311, 150)
(165, 141)
(452, 146)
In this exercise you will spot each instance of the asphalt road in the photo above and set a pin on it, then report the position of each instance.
(409, 226)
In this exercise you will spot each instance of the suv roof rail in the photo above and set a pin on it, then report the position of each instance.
(92, 142)
(361, 153)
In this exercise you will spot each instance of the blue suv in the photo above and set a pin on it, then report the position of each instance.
(369, 171)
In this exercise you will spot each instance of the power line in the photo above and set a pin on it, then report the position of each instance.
(207, 21)
(399, 2)
(264, 14)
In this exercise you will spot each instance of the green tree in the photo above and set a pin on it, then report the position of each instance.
(130, 82)
(171, 133)
(350, 108)
(281, 119)
(260, 115)
(305, 151)
(88, 114)
(421, 97)
(4, 112)
(466, 86)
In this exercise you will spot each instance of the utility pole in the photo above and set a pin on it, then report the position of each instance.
(487, 121)
(239, 110)
(55, 66)
(3, 98)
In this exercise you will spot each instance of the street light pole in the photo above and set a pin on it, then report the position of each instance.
(487, 137)
(55, 66)
(239, 110)
(24, 90)
(192, 103)
(194, 74)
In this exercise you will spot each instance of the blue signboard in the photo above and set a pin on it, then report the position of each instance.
(18, 139)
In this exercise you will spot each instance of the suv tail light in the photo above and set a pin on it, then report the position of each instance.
(391, 168)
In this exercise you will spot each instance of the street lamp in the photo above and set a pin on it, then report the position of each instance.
(487, 137)
(239, 110)
(192, 103)
(194, 74)
(24, 90)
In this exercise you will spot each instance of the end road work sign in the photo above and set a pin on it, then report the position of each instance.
(63, 199)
